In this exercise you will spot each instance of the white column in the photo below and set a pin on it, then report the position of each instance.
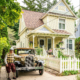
(68, 46)
(53, 44)
(27, 42)
(33, 40)
(73, 46)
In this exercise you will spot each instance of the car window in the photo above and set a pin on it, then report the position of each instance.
(28, 51)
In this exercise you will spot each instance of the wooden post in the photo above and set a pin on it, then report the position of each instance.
(68, 46)
(60, 64)
(53, 44)
(33, 40)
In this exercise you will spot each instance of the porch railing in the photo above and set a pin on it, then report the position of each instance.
(41, 51)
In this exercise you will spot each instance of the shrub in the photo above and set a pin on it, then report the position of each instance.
(65, 73)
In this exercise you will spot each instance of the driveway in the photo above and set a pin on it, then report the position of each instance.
(34, 75)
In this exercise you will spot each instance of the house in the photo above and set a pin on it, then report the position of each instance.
(78, 28)
(48, 29)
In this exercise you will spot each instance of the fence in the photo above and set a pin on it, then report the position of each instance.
(69, 64)
(50, 62)
(61, 64)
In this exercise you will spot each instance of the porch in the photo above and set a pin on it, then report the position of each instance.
(49, 41)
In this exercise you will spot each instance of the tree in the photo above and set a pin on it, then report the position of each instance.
(10, 12)
(15, 28)
(78, 13)
(39, 5)
(71, 6)
(11, 34)
(73, 9)
(68, 2)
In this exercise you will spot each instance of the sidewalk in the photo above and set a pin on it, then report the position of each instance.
(35, 76)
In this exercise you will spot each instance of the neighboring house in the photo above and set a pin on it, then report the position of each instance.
(78, 29)
(48, 29)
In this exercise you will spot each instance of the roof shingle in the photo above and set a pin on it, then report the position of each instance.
(61, 32)
(32, 19)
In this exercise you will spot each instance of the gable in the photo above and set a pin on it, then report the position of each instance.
(44, 29)
(61, 8)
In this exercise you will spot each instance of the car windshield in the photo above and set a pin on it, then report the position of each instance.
(27, 51)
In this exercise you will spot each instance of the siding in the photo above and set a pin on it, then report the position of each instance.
(78, 31)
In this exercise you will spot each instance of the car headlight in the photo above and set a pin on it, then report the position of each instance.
(23, 59)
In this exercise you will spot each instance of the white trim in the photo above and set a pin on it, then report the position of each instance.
(39, 41)
(47, 21)
(47, 42)
(61, 10)
(65, 23)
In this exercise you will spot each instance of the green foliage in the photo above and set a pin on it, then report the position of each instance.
(10, 12)
(39, 51)
(39, 5)
(77, 47)
(66, 73)
(68, 2)
(78, 13)
(3, 44)
(15, 28)
(61, 54)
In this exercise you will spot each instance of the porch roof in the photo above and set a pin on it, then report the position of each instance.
(61, 32)
(56, 33)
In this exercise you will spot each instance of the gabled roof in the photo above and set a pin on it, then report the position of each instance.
(68, 12)
(61, 32)
(32, 19)
(44, 28)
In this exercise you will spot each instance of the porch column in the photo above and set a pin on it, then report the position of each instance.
(33, 40)
(27, 42)
(53, 44)
(68, 46)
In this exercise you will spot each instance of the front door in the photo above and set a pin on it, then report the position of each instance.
(41, 43)
(49, 44)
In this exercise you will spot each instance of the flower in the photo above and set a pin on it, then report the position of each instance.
(61, 42)
(62, 48)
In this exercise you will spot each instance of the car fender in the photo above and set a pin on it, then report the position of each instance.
(17, 62)
(41, 61)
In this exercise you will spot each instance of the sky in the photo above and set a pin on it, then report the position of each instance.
(73, 2)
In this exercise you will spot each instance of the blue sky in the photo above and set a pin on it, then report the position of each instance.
(74, 2)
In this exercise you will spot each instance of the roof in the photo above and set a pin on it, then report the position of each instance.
(62, 14)
(61, 32)
(32, 19)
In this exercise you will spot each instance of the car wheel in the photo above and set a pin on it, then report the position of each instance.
(17, 73)
(40, 70)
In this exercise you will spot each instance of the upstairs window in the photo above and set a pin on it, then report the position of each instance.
(61, 23)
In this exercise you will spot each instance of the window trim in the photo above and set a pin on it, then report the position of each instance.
(69, 43)
(47, 43)
(59, 22)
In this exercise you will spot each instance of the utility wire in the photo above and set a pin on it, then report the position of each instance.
(62, 14)
(58, 16)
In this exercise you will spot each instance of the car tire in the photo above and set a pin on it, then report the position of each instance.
(17, 73)
(41, 70)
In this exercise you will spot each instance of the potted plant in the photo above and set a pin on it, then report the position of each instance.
(30, 43)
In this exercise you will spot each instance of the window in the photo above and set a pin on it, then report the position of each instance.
(21, 44)
(70, 44)
(49, 44)
(61, 23)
